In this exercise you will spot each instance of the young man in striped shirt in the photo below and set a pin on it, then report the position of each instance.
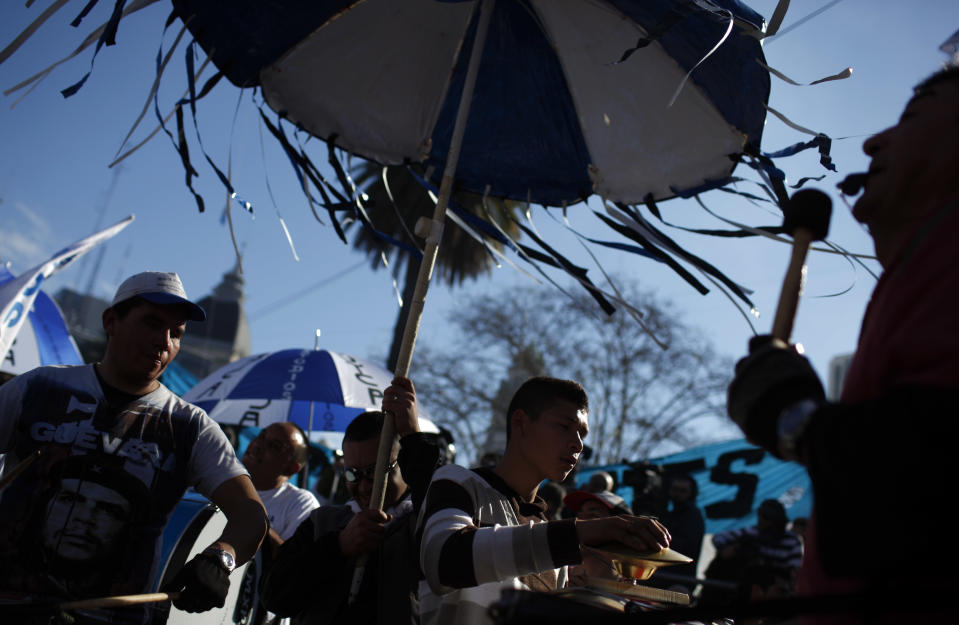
(485, 530)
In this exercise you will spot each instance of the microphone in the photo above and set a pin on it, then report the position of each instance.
(853, 183)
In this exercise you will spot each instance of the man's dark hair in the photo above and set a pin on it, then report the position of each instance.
(539, 393)
(946, 74)
(122, 309)
(365, 426)
(693, 485)
(774, 512)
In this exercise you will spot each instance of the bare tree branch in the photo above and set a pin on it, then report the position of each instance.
(642, 398)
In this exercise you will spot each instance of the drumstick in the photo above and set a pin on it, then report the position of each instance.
(118, 601)
(806, 218)
(17, 470)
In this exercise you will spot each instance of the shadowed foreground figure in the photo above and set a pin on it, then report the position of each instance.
(892, 435)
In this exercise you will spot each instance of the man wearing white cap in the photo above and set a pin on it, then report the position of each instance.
(117, 413)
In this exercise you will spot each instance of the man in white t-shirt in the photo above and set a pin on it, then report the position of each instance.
(272, 458)
(106, 452)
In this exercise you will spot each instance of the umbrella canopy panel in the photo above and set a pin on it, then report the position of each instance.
(286, 385)
(554, 117)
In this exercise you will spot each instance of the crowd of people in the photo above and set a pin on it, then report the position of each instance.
(96, 457)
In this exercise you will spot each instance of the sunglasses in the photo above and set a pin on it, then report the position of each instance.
(355, 474)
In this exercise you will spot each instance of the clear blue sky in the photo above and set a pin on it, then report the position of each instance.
(55, 185)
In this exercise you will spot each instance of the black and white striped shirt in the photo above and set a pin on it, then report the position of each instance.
(478, 538)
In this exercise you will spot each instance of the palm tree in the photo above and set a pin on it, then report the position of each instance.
(459, 258)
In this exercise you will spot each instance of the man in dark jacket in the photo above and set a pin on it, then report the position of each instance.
(311, 577)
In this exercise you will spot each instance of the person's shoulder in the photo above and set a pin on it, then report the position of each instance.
(48, 376)
(458, 487)
(302, 494)
(177, 406)
(459, 474)
(53, 372)
(326, 518)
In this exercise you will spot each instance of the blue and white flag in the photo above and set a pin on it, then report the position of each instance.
(43, 340)
(18, 295)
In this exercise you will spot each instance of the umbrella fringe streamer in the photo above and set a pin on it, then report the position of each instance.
(346, 197)
(551, 257)
(162, 60)
(95, 36)
(108, 37)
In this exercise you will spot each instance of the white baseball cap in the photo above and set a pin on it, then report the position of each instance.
(158, 287)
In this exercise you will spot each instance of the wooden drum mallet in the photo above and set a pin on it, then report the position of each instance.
(806, 217)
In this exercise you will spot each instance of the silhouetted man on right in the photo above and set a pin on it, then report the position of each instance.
(891, 438)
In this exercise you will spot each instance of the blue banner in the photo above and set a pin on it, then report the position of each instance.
(733, 477)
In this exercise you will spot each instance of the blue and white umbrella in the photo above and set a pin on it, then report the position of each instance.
(43, 340)
(319, 390)
(625, 98)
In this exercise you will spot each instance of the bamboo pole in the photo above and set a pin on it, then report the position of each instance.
(418, 301)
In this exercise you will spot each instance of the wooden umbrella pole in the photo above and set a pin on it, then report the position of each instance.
(418, 301)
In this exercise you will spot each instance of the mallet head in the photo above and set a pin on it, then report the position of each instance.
(809, 209)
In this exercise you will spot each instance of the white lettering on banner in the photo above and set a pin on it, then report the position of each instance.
(16, 311)
(84, 436)
(297, 367)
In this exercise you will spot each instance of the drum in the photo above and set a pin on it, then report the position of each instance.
(194, 524)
